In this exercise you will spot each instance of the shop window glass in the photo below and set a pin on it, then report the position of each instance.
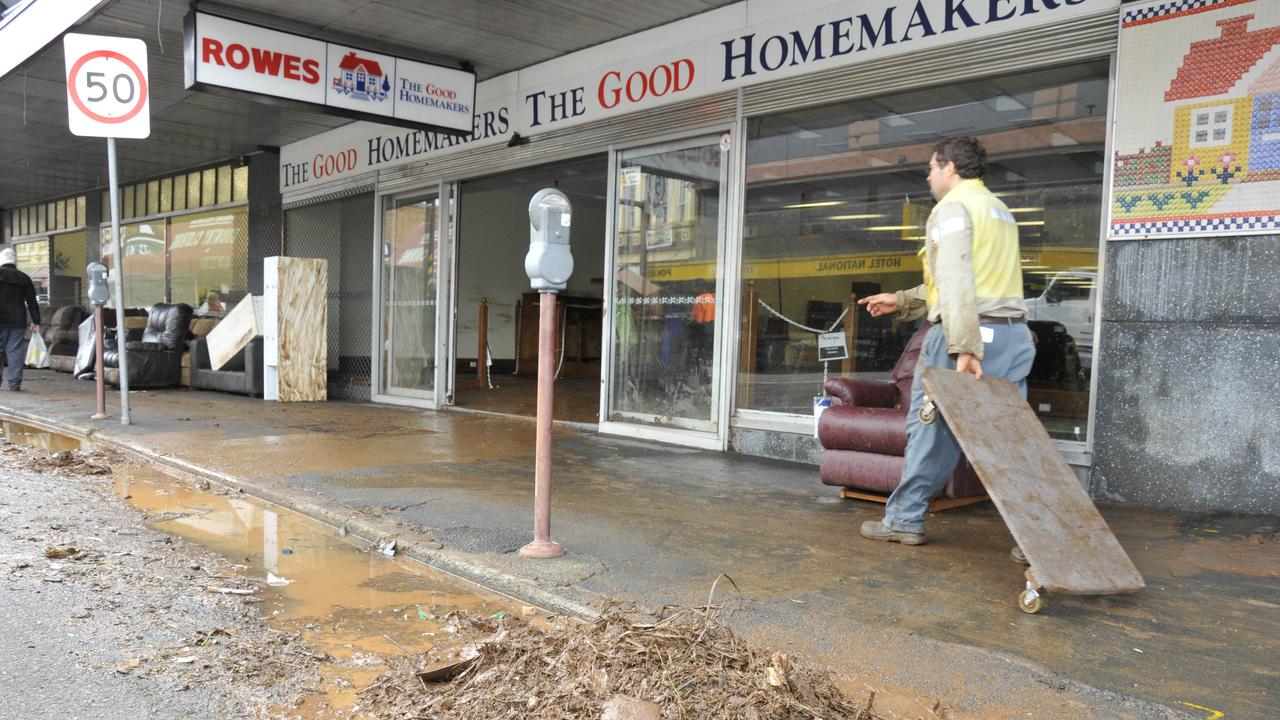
(144, 262)
(42, 218)
(33, 259)
(153, 197)
(240, 183)
(208, 260)
(208, 187)
(180, 193)
(166, 195)
(193, 190)
(80, 210)
(224, 184)
(67, 279)
(60, 215)
(127, 207)
(836, 208)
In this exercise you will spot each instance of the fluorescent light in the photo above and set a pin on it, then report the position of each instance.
(1031, 222)
(895, 227)
(872, 216)
(914, 237)
(828, 203)
(1025, 210)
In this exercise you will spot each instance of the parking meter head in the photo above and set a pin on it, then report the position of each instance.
(99, 292)
(549, 263)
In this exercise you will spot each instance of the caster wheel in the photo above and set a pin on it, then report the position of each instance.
(928, 412)
(1030, 602)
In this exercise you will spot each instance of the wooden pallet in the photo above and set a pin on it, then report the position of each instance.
(937, 505)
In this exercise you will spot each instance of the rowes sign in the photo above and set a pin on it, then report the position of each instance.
(739, 45)
(347, 80)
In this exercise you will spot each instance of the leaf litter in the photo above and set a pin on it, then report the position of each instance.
(684, 663)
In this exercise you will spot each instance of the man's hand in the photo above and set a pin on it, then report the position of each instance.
(35, 328)
(881, 304)
(967, 363)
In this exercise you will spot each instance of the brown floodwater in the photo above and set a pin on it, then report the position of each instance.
(350, 601)
(20, 434)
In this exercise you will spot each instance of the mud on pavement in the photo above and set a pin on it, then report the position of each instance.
(106, 618)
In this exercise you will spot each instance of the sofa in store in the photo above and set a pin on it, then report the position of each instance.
(155, 361)
(62, 336)
(242, 374)
(864, 436)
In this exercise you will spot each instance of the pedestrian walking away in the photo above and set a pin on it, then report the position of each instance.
(17, 299)
(972, 293)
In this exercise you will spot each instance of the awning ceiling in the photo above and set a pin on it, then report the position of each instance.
(40, 159)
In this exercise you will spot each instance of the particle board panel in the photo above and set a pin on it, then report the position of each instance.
(302, 329)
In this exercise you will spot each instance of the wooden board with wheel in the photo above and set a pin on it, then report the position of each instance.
(1068, 544)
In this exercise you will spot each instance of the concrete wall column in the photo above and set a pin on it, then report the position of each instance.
(1188, 375)
(266, 216)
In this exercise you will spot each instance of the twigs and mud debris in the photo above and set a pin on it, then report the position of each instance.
(685, 664)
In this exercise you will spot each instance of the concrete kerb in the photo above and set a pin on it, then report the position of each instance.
(369, 531)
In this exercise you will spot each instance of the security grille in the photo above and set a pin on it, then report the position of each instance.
(340, 231)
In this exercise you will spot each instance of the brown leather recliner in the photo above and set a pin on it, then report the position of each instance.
(864, 433)
(62, 336)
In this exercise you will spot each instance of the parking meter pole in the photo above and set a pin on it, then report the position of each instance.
(118, 254)
(543, 546)
(98, 374)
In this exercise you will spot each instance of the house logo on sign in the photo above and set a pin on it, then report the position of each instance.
(361, 79)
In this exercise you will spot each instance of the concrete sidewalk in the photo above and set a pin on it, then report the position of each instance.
(655, 524)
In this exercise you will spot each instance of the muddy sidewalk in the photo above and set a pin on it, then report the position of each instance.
(655, 524)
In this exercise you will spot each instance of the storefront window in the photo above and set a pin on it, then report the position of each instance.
(144, 262)
(67, 283)
(836, 207)
(33, 259)
(208, 260)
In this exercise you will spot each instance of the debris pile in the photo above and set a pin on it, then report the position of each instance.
(685, 664)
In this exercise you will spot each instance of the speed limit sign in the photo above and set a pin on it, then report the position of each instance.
(107, 92)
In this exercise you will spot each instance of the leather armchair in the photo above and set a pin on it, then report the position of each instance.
(62, 336)
(156, 360)
(864, 433)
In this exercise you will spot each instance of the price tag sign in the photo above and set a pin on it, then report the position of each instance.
(831, 346)
(107, 91)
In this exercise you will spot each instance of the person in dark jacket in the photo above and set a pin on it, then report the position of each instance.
(16, 290)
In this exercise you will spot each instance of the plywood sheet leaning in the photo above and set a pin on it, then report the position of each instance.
(237, 329)
(302, 329)
(1070, 547)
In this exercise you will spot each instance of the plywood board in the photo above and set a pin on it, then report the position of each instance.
(236, 330)
(302, 329)
(1070, 547)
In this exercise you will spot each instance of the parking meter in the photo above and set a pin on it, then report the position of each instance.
(549, 262)
(99, 293)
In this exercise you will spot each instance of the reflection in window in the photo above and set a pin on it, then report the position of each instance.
(67, 282)
(208, 260)
(33, 259)
(836, 208)
(144, 262)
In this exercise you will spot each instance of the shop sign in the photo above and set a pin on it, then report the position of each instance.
(831, 346)
(246, 57)
(744, 44)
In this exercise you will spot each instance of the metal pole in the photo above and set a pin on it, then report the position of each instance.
(542, 546)
(100, 377)
(116, 246)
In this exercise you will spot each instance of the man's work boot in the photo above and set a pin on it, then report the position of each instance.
(1018, 556)
(876, 530)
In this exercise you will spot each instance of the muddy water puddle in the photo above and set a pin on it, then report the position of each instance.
(354, 603)
(21, 434)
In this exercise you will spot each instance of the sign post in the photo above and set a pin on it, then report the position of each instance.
(107, 96)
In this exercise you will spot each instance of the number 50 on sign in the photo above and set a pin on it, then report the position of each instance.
(107, 92)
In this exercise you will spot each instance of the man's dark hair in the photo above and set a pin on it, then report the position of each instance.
(967, 153)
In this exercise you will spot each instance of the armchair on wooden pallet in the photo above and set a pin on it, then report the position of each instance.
(864, 437)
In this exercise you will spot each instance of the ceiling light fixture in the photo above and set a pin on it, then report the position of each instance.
(872, 216)
(826, 203)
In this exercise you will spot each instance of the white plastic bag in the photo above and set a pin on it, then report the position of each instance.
(37, 352)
